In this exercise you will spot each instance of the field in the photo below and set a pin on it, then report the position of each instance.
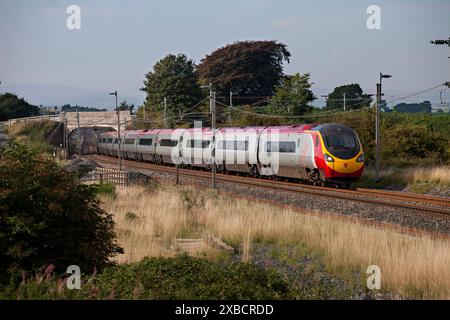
(149, 220)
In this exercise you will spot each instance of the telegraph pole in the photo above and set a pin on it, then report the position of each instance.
(377, 126)
(78, 131)
(441, 42)
(230, 107)
(213, 128)
(165, 113)
(344, 101)
(118, 132)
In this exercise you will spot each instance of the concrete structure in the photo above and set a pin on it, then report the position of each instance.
(91, 125)
(95, 119)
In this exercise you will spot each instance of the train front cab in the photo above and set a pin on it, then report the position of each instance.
(341, 159)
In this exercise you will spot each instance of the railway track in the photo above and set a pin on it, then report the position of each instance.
(427, 204)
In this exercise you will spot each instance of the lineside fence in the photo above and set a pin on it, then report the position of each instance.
(105, 175)
(27, 119)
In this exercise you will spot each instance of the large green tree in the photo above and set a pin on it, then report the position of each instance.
(354, 97)
(173, 78)
(48, 217)
(293, 96)
(11, 106)
(247, 68)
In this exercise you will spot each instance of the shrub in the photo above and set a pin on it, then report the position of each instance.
(107, 189)
(182, 277)
(414, 144)
(47, 216)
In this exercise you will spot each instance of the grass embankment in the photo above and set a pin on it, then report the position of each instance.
(414, 179)
(412, 266)
(34, 134)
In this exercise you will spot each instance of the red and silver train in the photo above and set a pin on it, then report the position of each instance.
(324, 153)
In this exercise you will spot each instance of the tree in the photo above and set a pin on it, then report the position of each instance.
(423, 107)
(48, 217)
(125, 106)
(293, 96)
(173, 78)
(248, 68)
(12, 107)
(354, 97)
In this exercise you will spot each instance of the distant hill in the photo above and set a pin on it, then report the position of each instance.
(53, 95)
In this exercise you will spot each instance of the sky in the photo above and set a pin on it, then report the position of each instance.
(120, 41)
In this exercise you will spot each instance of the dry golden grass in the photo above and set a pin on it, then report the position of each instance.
(410, 265)
(436, 175)
(418, 179)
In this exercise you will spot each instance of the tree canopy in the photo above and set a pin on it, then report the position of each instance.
(173, 78)
(354, 97)
(11, 106)
(123, 106)
(293, 96)
(247, 68)
(48, 217)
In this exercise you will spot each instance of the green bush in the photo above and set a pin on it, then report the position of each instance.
(48, 217)
(34, 134)
(182, 277)
(415, 144)
(107, 189)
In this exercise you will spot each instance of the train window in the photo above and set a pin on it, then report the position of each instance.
(110, 140)
(129, 141)
(145, 142)
(198, 144)
(168, 143)
(282, 146)
(232, 145)
(116, 141)
(241, 145)
(341, 140)
(205, 144)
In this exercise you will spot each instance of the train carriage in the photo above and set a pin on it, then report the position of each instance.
(326, 153)
(129, 142)
(146, 145)
(197, 147)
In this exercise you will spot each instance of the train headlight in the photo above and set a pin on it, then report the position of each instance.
(328, 158)
(360, 158)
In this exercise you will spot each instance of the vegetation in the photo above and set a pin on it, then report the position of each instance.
(11, 106)
(173, 78)
(182, 277)
(123, 106)
(423, 107)
(247, 68)
(293, 96)
(34, 134)
(347, 247)
(354, 98)
(435, 179)
(69, 108)
(48, 217)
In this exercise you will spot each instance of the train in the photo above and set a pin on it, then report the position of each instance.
(320, 153)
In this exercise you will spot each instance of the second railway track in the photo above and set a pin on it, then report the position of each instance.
(426, 204)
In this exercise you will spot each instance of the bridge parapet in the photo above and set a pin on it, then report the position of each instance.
(96, 119)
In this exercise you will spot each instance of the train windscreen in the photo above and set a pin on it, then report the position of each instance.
(340, 141)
